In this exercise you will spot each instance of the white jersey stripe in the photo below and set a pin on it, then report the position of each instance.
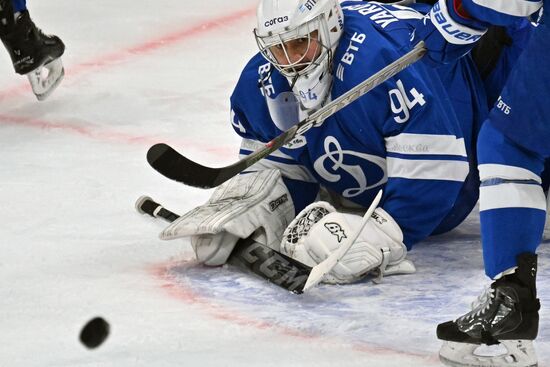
(512, 195)
(518, 8)
(425, 144)
(427, 169)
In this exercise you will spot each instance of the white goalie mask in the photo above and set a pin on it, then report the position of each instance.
(298, 37)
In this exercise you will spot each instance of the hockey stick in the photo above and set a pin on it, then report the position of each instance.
(269, 264)
(323, 268)
(175, 166)
(248, 254)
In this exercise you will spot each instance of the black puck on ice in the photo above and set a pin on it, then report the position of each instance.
(94, 332)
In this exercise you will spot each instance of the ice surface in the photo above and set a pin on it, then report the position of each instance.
(72, 247)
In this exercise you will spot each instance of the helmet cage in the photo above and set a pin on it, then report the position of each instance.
(304, 32)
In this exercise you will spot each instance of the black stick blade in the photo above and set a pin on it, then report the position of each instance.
(271, 265)
(248, 254)
(169, 163)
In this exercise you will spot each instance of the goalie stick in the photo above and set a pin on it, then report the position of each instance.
(323, 268)
(175, 166)
(269, 264)
(248, 254)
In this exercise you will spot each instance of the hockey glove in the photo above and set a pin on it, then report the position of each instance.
(319, 230)
(447, 35)
(254, 202)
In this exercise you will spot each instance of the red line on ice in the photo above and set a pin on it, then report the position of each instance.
(107, 135)
(185, 293)
(128, 54)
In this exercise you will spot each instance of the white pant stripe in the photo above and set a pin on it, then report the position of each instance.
(512, 195)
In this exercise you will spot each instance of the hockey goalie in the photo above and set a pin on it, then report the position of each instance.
(414, 136)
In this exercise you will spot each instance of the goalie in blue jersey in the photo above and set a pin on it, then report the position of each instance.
(413, 136)
(33, 53)
(512, 147)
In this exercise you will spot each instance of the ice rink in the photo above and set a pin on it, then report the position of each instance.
(72, 246)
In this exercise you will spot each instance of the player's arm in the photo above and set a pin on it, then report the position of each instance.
(261, 201)
(301, 184)
(496, 12)
(452, 27)
(320, 229)
(426, 157)
(447, 32)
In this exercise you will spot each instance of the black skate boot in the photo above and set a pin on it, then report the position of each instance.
(507, 314)
(28, 47)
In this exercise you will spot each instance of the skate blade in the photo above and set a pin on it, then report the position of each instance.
(509, 353)
(45, 79)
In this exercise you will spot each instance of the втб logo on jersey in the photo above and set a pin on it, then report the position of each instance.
(334, 153)
(336, 230)
(308, 5)
(274, 21)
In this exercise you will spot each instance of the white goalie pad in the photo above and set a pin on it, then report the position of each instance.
(509, 353)
(256, 202)
(46, 78)
(319, 230)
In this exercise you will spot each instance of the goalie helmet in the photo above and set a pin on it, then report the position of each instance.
(298, 37)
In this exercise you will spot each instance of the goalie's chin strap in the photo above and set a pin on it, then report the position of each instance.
(403, 267)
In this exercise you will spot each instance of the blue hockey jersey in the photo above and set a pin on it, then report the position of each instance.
(412, 136)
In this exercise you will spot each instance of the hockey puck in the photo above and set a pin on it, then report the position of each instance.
(94, 333)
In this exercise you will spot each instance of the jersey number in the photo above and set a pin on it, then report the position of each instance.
(401, 104)
(308, 96)
(237, 123)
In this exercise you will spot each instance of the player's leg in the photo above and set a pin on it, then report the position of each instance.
(511, 151)
(512, 200)
(512, 213)
(32, 52)
(19, 5)
(29, 48)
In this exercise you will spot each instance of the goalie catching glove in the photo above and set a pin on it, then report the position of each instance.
(254, 203)
(319, 230)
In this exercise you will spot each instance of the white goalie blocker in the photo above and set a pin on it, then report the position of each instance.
(254, 203)
(46, 78)
(319, 230)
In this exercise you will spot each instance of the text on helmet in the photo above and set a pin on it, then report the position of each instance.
(309, 4)
(275, 21)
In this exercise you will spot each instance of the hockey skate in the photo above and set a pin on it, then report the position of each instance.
(500, 329)
(35, 54)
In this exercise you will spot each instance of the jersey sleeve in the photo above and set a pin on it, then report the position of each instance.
(427, 145)
(250, 118)
(410, 122)
(427, 160)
